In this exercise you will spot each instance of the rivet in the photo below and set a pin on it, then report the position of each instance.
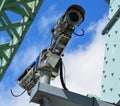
(108, 35)
(111, 89)
(107, 48)
(111, 10)
(112, 74)
(115, 45)
(113, 59)
(119, 95)
(106, 44)
(104, 58)
(103, 91)
(106, 62)
(103, 71)
(116, 32)
(105, 76)
(102, 86)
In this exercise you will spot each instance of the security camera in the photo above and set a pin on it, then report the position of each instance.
(47, 64)
(73, 17)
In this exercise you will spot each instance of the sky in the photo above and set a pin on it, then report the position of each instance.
(83, 57)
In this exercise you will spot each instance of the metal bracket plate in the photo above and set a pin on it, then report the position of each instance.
(61, 97)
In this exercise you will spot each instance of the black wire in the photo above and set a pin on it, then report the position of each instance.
(61, 75)
(51, 41)
(79, 34)
(17, 95)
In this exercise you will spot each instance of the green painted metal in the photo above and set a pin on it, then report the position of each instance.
(111, 71)
(23, 13)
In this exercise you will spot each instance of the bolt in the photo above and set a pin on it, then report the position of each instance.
(111, 89)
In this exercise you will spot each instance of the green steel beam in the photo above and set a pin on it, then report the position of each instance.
(110, 89)
(111, 22)
(26, 10)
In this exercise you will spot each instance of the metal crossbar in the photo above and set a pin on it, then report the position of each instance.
(25, 12)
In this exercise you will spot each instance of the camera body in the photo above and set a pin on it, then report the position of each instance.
(73, 17)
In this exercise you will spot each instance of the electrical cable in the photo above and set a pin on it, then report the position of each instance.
(51, 41)
(29, 68)
(17, 95)
(61, 75)
(82, 34)
(64, 73)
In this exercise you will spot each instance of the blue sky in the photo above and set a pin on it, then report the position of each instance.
(84, 54)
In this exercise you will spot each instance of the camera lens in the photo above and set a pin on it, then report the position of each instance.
(73, 17)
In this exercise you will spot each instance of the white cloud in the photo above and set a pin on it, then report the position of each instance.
(97, 26)
(24, 58)
(50, 16)
(84, 69)
(45, 21)
(7, 99)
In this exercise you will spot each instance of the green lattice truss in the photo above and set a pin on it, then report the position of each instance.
(26, 11)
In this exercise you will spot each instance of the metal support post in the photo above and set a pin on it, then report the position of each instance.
(45, 102)
(45, 76)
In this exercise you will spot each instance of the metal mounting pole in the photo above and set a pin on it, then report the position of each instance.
(45, 102)
(45, 77)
